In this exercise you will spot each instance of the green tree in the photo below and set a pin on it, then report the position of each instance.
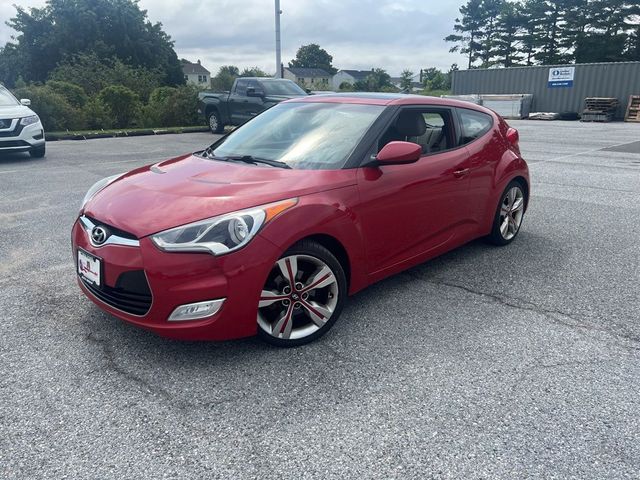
(74, 94)
(406, 80)
(312, 56)
(108, 29)
(509, 31)
(225, 77)
(378, 80)
(468, 28)
(253, 72)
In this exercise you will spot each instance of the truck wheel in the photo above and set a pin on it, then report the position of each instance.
(215, 123)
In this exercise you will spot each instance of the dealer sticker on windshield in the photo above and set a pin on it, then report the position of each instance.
(89, 267)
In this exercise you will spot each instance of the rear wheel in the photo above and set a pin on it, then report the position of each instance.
(215, 122)
(302, 297)
(39, 152)
(509, 213)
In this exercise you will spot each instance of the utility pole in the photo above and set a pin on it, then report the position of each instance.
(278, 47)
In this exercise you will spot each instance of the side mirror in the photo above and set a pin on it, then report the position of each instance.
(394, 153)
(252, 92)
(26, 102)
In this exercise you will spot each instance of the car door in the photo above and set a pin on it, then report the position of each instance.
(482, 143)
(255, 104)
(238, 102)
(413, 211)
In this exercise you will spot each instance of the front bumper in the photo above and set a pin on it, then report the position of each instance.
(176, 279)
(17, 138)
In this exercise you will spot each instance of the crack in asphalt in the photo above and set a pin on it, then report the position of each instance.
(551, 314)
(113, 365)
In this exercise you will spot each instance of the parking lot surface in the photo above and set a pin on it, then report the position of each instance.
(516, 362)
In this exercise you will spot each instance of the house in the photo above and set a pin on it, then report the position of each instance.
(416, 86)
(196, 74)
(311, 78)
(349, 76)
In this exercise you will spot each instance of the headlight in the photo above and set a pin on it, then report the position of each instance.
(222, 234)
(29, 120)
(99, 185)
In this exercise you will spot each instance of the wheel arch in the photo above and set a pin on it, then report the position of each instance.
(335, 247)
(525, 186)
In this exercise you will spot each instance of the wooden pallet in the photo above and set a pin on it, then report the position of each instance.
(599, 109)
(633, 109)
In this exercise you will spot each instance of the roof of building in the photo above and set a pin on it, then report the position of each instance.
(308, 72)
(357, 74)
(193, 68)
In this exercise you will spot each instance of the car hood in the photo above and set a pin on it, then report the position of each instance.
(190, 188)
(15, 111)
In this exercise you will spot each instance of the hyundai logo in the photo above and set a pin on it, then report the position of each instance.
(98, 235)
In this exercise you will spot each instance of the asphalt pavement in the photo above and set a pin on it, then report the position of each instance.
(516, 362)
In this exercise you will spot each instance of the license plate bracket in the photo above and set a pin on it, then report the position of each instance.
(89, 267)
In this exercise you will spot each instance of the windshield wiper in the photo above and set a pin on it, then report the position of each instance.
(256, 160)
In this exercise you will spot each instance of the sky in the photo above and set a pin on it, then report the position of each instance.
(360, 34)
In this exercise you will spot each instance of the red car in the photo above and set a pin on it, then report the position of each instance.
(273, 226)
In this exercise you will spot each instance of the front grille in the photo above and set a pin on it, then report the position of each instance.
(131, 295)
(112, 230)
(11, 133)
(13, 143)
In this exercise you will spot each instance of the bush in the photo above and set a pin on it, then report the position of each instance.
(94, 75)
(170, 107)
(74, 94)
(122, 104)
(97, 115)
(55, 112)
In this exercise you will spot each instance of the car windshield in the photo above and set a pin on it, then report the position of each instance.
(305, 136)
(280, 87)
(6, 99)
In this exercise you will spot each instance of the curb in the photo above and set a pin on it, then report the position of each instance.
(54, 137)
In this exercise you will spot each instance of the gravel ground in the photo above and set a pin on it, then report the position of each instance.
(520, 362)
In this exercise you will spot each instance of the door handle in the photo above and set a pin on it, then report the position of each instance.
(461, 173)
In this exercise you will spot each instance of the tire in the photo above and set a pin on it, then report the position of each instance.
(38, 152)
(510, 212)
(215, 122)
(292, 315)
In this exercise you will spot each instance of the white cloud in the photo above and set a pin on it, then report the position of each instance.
(361, 34)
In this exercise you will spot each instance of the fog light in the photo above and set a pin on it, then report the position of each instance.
(195, 311)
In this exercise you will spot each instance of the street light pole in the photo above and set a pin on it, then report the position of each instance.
(278, 52)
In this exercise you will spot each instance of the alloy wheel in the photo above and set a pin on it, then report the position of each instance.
(299, 297)
(213, 122)
(511, 212)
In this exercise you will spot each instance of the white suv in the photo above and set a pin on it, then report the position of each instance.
(20, 128)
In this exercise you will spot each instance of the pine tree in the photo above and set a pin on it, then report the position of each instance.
(468, 30)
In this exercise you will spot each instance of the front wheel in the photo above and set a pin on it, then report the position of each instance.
(508, 217)
(302, 297)
(215, 122)
(38, 152)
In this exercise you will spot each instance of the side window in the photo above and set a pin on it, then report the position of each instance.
(256, 86)
(432, 129)
(473, 124)
(241, 87)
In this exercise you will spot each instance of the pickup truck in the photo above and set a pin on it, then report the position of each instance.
(248, 97)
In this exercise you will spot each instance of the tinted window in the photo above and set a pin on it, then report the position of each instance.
(256, 86)
(281, 87)
(473, 124)
(241, 87)
(306, 136)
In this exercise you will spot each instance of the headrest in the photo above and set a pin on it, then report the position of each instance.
(411, 124)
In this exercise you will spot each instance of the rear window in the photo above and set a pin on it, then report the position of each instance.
(473, 124)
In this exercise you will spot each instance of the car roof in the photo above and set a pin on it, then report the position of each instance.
(375, 98)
